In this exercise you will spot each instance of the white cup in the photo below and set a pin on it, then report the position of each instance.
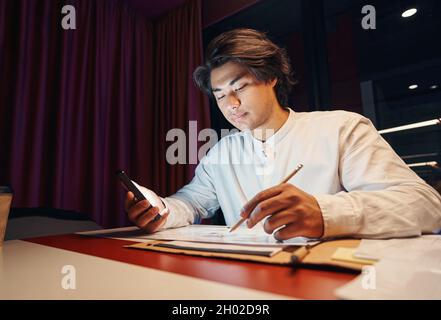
(5, 205)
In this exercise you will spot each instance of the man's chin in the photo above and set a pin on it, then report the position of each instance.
(239, 126)
(242, 127)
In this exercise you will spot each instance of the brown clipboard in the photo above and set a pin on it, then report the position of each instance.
(319, 255)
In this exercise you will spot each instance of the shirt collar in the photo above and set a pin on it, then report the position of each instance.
(278, 136)
(283, 130)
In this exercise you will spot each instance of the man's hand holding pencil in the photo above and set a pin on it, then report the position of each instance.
(294, 211)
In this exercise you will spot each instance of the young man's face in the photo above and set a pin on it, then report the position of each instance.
(245, 102)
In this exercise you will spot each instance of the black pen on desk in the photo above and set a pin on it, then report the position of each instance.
(242, 220)
(298, 256)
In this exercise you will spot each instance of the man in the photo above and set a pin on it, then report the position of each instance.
(352, 182)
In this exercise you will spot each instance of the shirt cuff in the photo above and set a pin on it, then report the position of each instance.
(340, 217)
(180, 213)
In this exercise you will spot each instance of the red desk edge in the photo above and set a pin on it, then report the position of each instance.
(301, 283)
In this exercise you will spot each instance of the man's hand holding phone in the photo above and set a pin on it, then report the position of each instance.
(143, 213)
(144, 208)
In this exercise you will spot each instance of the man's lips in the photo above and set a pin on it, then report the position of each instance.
(238, 116)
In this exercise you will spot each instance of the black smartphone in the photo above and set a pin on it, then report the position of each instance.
(130, 186)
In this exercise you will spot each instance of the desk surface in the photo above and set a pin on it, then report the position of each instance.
(108, 270)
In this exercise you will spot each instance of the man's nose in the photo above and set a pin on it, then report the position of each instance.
(233, 102)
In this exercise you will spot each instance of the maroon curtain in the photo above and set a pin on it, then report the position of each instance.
(75, 105)
(178, 51)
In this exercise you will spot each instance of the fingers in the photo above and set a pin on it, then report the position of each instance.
(278, 220)
(129, 201)
(297, 229)
(144, 214)
(154, 224)
(130, 197)
(291, 230)
(137, 209)
(260, 197)
(146, 217)
(264, 209)
(273, 200)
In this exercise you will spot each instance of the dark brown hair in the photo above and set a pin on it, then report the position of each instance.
(253, 50)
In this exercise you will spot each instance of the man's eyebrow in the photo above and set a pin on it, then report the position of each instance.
(240, 76)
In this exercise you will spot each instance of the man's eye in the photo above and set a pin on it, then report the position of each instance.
(221, 97)
(240, 88)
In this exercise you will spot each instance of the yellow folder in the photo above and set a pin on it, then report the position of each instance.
(319, 255)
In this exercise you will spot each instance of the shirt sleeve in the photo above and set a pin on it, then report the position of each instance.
(383, 197)
(195, 201)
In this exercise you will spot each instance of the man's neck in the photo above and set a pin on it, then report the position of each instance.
(276, 121)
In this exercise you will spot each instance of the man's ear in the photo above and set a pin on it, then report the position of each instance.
(273, 82)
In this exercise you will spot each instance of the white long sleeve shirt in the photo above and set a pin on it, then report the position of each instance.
(362, 186)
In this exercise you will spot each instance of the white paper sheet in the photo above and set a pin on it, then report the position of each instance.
(378, 249)
(225, 248)
(408, 269)
(202, 233)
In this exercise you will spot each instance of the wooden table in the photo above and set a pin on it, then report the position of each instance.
(99, 259)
